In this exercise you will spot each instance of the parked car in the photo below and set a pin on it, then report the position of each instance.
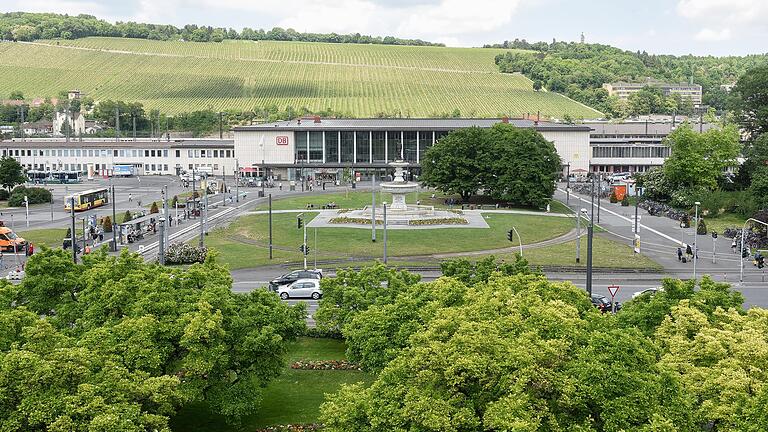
(649, 291)
(603, 303)
(302, 288)
(620, 176)
(293, 276)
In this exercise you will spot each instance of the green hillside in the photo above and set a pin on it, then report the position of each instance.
(360, 80)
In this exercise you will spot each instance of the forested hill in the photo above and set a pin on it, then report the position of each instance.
(25, 26)
(579, 70)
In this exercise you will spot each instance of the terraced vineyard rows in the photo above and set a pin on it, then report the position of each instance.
(360, 80)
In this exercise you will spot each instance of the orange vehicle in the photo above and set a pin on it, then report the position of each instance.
(8, 238)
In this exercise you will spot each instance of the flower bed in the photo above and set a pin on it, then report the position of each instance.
(349, 220)
(292, 428)
(457, 211)
(325, 365)
(439, 221)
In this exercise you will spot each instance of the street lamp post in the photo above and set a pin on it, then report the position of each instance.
(373, 207)
(384, 209)
(590, 232)
(695, 238)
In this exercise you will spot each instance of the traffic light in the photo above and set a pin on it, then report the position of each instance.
(744, 253)
(299, 222)
(714, 234)
(760, 261)
(306, 250)
(511, 235)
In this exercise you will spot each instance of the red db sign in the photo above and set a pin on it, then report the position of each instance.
(281, 140)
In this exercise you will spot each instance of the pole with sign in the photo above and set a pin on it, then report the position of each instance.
(613, 290)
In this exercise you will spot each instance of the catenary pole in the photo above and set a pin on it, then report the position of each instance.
(373, 207)
(270, 226)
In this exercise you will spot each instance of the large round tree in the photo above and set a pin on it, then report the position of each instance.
(457, 163)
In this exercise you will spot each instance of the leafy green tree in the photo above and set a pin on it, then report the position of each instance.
(127, 217)
(474, 272)
(153, 208)
(16, 95)
(353, 291)
(759, 187)
(457, 164)
(756, 157)
(647, 312)
(11, 173)
(517, 353)
(118, 344)
(524, 166)
(537, 85)
(698, 160)
(751, 101)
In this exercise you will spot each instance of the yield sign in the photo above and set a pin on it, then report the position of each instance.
(613, 289)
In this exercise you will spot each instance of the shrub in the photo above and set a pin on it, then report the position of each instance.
(127, 217)
(349, 220)
(182, 253)
(613, 198)
(4, 194)
(701, 229)
(36, 195)
(106, 224)
(625, 201)
(154, 208)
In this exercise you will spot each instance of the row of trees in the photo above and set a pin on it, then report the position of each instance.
(114, 344)
(579, 71)
(510, 164)
(149, 122)
(499, 347)
(25, 26)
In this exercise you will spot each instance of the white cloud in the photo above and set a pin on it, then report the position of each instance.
(73, 7)
(710, 35)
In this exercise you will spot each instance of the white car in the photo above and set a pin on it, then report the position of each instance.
(649, 291)
(302, 288)
(617, 177)
(16, 275)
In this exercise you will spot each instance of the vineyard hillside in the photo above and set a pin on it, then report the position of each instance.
(358, 80)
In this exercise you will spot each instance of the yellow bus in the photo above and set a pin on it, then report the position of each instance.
(87, 199)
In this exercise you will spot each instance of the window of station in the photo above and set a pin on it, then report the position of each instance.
(332, 146)
(215, 153)
(178, 153)
(409, 146)
(165, 153)
(363, 147)
(378, 143)
(347, 146)
(393, 146)
(301, 147)
(315, 146)
(425, 142)
(440, 134)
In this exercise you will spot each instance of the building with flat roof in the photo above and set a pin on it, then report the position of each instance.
(632, 146)
(623, 90)
(322, 147)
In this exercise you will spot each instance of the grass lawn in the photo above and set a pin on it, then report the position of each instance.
(354, 199)
(722, 222)
(236, 247)
(51, 237)
(294, 397)
(605, 253)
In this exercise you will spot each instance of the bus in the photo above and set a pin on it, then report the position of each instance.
(65, 177)
(87, 199)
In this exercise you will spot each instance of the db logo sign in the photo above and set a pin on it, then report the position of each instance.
(281, 140)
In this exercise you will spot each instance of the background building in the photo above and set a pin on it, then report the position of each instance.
(623, 90)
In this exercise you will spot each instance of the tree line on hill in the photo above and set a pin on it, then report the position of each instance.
(26, 26)
(579, 70)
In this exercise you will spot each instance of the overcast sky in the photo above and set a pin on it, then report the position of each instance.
(716, 27)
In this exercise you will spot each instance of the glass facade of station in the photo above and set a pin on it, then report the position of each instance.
(363, 147)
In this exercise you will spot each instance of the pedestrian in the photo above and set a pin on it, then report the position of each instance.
(281, 186)
(733, 245)
(130, 197)
(30, 249)
(679, 254)
(138, 202)
(688, 251)
(547, 208)
(1, 260)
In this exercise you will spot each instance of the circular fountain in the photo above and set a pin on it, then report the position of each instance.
(399, 188)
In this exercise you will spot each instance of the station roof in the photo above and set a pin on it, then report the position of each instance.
(405, 124)
(105, 144)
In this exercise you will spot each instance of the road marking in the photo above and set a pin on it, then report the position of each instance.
(660, 234)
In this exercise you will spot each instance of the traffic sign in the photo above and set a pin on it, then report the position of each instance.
(613, 289)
